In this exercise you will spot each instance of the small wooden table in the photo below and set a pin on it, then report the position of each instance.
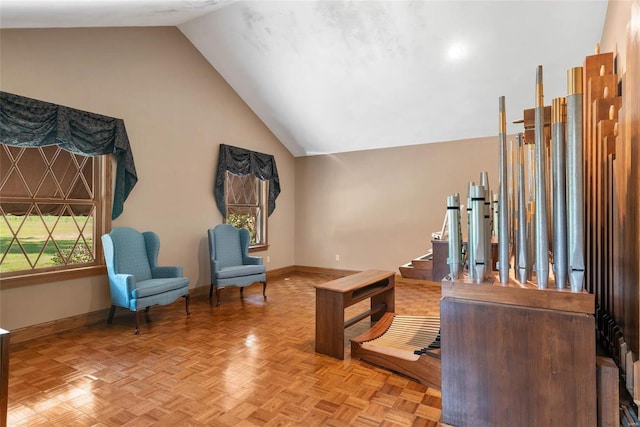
(334, 296)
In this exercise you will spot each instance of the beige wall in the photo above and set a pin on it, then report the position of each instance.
(177, 110)
(614, 33)
(378, 208)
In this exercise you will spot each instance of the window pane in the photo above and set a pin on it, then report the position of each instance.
(246, 198)
(242, 189)
(245, 217)
(48, 209)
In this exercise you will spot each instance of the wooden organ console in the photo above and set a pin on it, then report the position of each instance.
(513, 355)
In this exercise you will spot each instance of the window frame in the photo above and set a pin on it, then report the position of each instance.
(103, 174)
(263, 205)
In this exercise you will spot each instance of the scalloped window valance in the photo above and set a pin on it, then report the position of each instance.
(244, 162)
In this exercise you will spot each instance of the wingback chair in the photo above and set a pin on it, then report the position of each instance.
(231, 264)
(135, 279)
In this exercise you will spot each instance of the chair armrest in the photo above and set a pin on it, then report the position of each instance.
(124, 281)
(252, 260)
(166, 272)
(121, 286)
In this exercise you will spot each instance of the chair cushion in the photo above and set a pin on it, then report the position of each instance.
(239, 271)
(151, 287)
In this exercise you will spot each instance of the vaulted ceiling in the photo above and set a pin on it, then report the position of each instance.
(336, 76)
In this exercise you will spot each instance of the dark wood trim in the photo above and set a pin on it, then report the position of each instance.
(47, 328)
(277, 272)
(4, 376)
(258, 248)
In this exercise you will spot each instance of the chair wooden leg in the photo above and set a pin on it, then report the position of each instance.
(187, 299)
(111, 313)
(146, 310)
(217, 296)
(211, 291)
(264, 289)
(137, 330)
(241, 292)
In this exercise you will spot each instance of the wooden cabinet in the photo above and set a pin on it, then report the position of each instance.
(517, 356)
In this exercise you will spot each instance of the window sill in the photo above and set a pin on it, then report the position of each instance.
(258, 248)
(50, 276)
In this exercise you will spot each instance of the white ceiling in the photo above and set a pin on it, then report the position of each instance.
(336, 76)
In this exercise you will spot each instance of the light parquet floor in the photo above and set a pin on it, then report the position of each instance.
(244, 363)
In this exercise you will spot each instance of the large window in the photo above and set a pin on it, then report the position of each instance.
(246, 201)
(54, 206)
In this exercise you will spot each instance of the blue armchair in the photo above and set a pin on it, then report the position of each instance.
(135, 279)
(231, 264)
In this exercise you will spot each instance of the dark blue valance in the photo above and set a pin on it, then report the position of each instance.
(244, 162)
(28, 122)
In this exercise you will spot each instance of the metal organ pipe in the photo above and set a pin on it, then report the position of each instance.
(542, 235)
(512, 160)
(455, 236)
(522, 256)
(531, 207)
(503, 211)
(560, 258)
(471, 259)
(477, 233)
(486, 240)
(575, 183)
(540, 199)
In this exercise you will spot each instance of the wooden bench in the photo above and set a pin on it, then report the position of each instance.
(334, 296)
